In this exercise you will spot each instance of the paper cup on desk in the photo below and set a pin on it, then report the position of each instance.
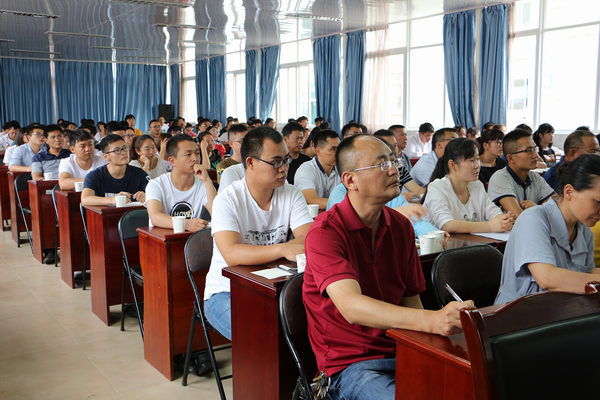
(79, 186)
(48, 176)
(427, 243)
(439, 236)
(301, 261)
(313, 210)
(121, 201)
(178, 224)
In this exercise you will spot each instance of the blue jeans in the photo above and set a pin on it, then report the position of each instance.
(365, 380)
(218, 312)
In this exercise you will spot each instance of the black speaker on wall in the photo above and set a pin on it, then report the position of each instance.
(166, 111)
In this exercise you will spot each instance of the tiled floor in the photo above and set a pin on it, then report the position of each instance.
(53, 347)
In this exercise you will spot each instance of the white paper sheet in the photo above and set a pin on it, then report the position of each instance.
(502, 236)
(271, 273)
(134, 204)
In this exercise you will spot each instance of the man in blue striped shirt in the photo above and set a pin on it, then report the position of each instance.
(49, 160)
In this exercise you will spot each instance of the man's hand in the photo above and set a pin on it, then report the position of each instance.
(290, 250)
(447, 320)
(414, 212)
(195, 224)
(445, 240)
(409, 196)
(127, 197)
(201, 173)
(525, 204)
(140, 196)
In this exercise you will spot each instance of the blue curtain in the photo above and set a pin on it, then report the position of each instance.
(493, 76)
(459, 64)
(326, 56)
(26, 91)
(84, 90)
(217, 94)
(175, 87)
(356, 56)
(140, 89)
(202, 88)
(269, 74)
(251, 83)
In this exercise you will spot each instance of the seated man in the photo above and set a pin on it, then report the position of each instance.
(351, 129)
(49, 160)
(317, 178)
(516, 187)
(115, 178)
(423, 169)
(230, 175)
(236, 134)
(22, 157)
(401, 139)
(11, 129)
(576, 144)
(293, 136)
(183, 191)
(83, 160)
(420, 144)
(251, 220)
(363, 277)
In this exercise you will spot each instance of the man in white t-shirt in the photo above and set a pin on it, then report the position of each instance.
(83, 160)
(182, 192)
(230, 175)
(420, 144)
(252, 218)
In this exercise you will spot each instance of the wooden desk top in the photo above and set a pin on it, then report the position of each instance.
(110, 210)
(42, 183)
(243, 274)
(164, 234)
(68, 193)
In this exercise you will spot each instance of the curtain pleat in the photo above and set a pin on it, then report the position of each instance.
(202, 88)
(217, 94)
(251, 83)
(356, 55)
(269, 74)
(326, 57)
(175, 70)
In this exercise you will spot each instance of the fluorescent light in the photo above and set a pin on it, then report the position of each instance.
(6, 40)
(181, 26)
(75, 34)
(205, 42)
(162, 3)
(154, 58)
(32, 51)
(311, 16)
(114, 48)
(29, 14)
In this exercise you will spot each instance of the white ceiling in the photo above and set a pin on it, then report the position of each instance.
(234, 25)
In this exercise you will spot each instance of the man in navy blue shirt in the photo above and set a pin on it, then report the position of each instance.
(103, 184)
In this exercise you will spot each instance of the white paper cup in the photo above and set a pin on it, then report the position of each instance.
(48, 176)
(178, 224)
(79, 186)
(121, 200)
(313, 210)
(301, 261)
(439, 236)
(427, 243)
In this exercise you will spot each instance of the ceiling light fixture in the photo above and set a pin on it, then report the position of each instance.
(154, 58)
(206, 42)
(114, 48)
(6, 40)
(181, 26)
(75, 34)
(29, 14)
(162, 3)
(311, 16)
(32, 51)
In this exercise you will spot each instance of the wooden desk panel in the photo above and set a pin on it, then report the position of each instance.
(43, 216)
(107, 258)
(14, 206)
(169, 298)
(71, 235)
(4, 197)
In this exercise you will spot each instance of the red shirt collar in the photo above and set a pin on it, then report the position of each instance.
(350, 218)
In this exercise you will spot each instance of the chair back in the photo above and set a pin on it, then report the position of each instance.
(83, 212)
(473, 272)
(295, 330)
(543, 345)
(54, 189)
(128, 225)
(21, 184)
(198, 255)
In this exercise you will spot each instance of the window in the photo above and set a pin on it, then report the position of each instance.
(520, 109)
(426, 90)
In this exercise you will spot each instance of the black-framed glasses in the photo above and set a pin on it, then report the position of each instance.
(385, 166)
(128, 135)
(592, 151)
(277, 164)
(118, 151)
(529, 150)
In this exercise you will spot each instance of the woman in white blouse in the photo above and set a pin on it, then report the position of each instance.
(143, 155)
(456, 199)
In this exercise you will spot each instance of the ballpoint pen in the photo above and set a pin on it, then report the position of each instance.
(453, 293)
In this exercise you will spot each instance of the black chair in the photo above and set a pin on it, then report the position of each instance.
(21, 184)
(473, 272)
(198, 254)
(56, 187)
(86, 243)
(295, 330)
(128, 225)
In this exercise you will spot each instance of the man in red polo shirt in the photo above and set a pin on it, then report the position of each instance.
(364, 276)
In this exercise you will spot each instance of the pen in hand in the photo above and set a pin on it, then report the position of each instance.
(453, 293)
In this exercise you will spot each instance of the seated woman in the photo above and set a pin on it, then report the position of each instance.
(543, 138)
(490, 150)
(143, 155)
(456, 199)
(551, 246)
(209, 155)
(214, 131)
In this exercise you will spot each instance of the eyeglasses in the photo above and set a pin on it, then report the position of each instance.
(129, 135)
(498, 142)
(592, 151)
(155, 126)
(278, 164)
(37, 134)
(55, 137)
(385, 166)
(118, 151)
(529, 150)
(448, 139)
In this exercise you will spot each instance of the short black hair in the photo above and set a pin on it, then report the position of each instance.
(384, 133)
(488, 136)
(153, 120)
(510, 144)
(113, 127)
(527, 127)
(29, 129)
(302, 118)
(173, 144)
(14, 125)
(346, 158)
(290, 127)
(108, 140)
(488, 125)
(394, 127)
(256, 121)
(128, 116)
(575, 139)
(347, 127)
(440, 135)
(51, 128)
(237, 128)
(320, 139)
(319, 119)
(174, 128)
(252, 145)
(426, 127)
(80, 135)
